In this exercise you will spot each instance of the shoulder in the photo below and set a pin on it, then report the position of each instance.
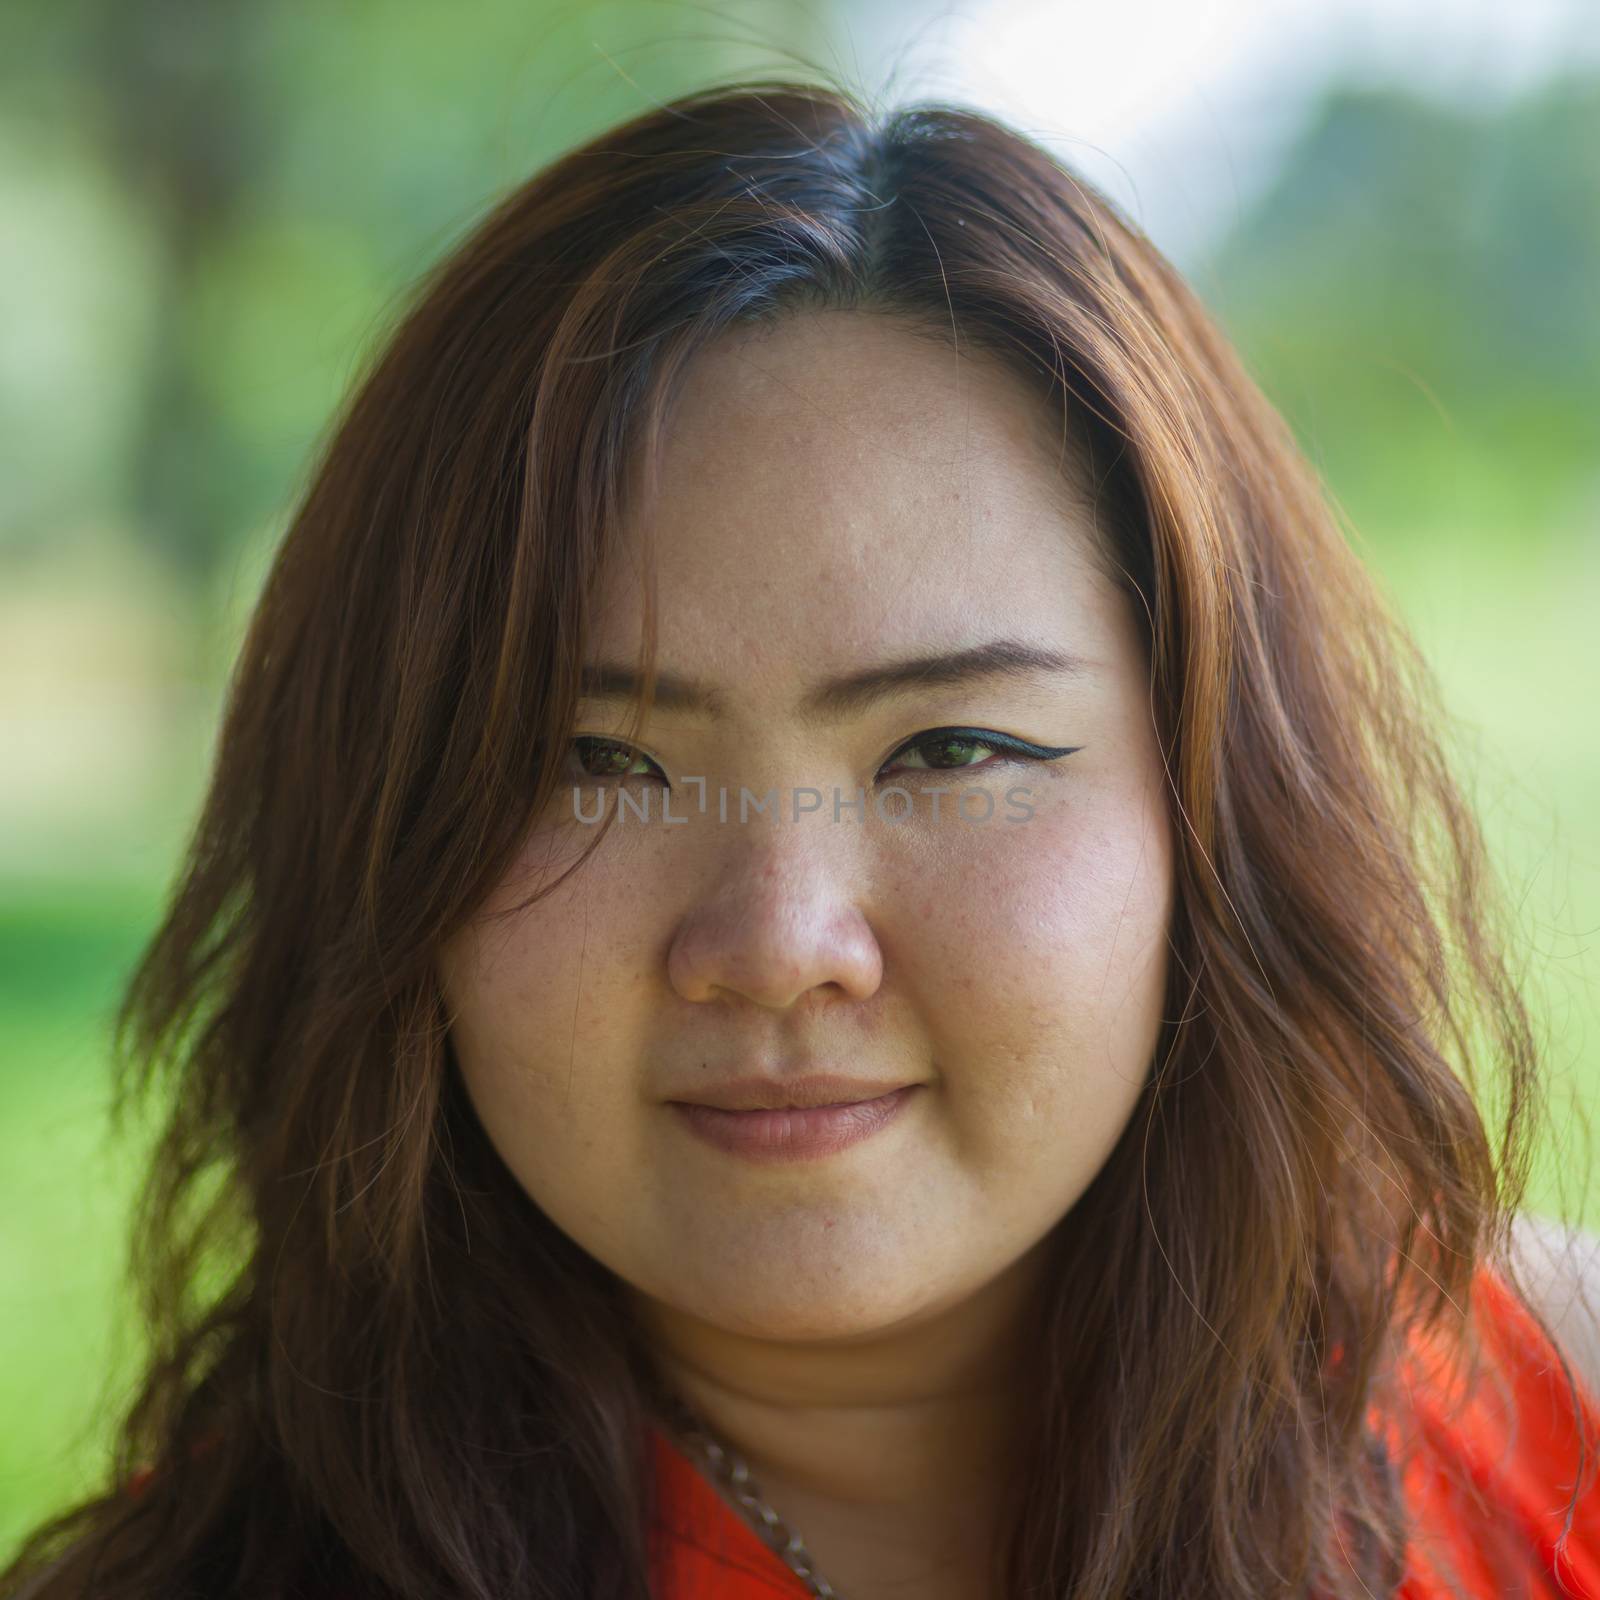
(1559, 1266)
(1489, 1451)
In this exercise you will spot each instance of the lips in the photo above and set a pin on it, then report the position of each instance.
(794, 1134)
(789, 1094)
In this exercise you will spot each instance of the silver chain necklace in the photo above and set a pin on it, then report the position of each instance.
(734, 1473)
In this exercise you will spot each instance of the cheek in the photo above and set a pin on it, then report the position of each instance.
(540, 1003)
(535, 1024)
(1037, 953)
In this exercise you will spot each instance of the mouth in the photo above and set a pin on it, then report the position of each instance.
(794, 1133)
(816, 1091)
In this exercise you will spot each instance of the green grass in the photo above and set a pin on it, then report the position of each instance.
(65, 1350)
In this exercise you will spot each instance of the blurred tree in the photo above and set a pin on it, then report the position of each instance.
(180, 86)
(297, 165)
(1420, 290)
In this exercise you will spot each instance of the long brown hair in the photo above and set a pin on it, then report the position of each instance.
(376, 1367)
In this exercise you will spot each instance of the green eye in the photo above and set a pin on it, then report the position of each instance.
(610, 758)
(946, 751)
(955, 749)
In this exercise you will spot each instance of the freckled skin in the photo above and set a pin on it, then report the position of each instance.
(836, 494)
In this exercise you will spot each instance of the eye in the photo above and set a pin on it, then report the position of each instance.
(951, 749)
(937, 750)
(611, 758)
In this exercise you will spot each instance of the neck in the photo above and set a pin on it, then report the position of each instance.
(908, 1425)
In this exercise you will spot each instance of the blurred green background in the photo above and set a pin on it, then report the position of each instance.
(210, 212)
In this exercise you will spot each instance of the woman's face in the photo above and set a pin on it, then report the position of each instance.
(839, 498)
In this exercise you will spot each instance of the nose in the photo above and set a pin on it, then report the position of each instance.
(779, 926)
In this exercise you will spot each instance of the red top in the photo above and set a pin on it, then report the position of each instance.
(1515, 1436)
(1519, 1444)
(1520, 1448)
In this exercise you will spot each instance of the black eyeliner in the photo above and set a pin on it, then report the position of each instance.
(1000, 741)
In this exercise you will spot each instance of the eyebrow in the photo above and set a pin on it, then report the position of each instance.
(852, 693)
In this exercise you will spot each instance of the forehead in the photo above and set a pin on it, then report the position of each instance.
(837, 486)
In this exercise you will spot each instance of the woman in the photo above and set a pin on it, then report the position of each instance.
(829, 918)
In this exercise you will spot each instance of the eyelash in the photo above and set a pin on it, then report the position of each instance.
(1009, 747)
